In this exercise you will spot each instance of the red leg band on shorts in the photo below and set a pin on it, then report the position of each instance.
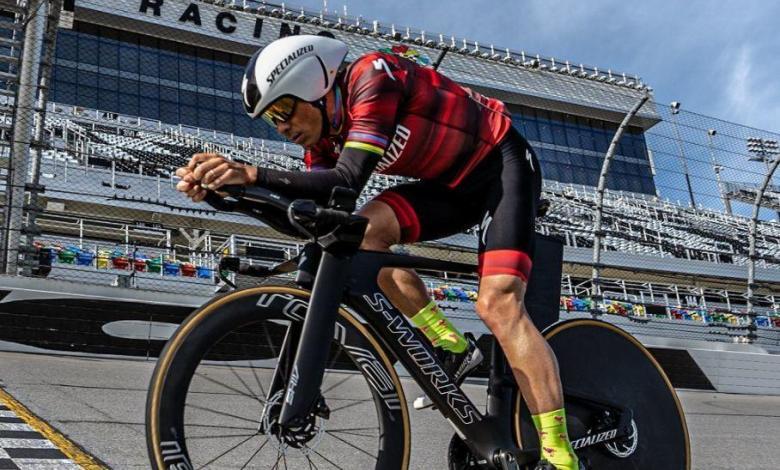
(404, 212)
(513, 262)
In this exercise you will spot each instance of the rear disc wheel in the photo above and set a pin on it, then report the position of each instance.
(607, 364)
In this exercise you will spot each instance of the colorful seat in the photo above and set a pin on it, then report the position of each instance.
(102, 259)
(85, 258)
(120, 262)
(188, 269)
(67, 257)
(154, 265)
(170, 268)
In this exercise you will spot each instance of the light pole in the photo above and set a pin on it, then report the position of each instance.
(717, 169)
(763, 150)
(675, 107)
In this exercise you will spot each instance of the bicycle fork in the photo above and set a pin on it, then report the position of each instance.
(301, 364)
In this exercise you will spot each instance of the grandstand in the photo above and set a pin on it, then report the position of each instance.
(110, 157)
(136, 91)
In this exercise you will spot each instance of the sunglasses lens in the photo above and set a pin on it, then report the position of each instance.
(280, 111)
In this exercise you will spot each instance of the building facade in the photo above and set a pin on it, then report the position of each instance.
(181, 63)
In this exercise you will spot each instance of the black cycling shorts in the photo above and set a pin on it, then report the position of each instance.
(500, 195)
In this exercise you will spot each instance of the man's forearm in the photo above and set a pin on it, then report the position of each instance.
(315, 185)
(352, 171)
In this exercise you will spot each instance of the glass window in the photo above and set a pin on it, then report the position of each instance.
(559, 134)
(169, 66)
(149, 61)
(237, 73)
(206, 102)
(169, 94)
(566, 173)
(238, 107)
(149, 90)
(109, 54)
(169, 112)
(600, 141)
(224, 122)
(206, 118)
(67, 45)
(579, 176)
(531, 129)
(187, 97)
(205, 75)
(88, 97)
(223, 79)
(563, 158)
(128, 59)
(589, 161)
(223, 105)
(129, 86)
(188, 115)
(545, 131)
(648, 186)
(88, 50)
(573, 136)
(551, 171)
(128, 104)
(108, 82)
(241, 126)
(592, 177)
(150, 108)
(544, 155)
(187, 72)
(89, 79)
(65, 74)
(66, 93)
(108, 100)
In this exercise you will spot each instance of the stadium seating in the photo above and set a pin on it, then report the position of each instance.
(632, 223)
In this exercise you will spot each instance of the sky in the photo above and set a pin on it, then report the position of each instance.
(718, 58)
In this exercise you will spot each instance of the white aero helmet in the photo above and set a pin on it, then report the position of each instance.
(302, 67)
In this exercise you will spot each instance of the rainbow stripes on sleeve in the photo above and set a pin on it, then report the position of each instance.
(365, 141)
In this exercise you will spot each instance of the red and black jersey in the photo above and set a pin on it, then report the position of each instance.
(417, 122)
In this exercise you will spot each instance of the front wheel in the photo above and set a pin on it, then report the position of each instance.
(208, 404)
(607, 364)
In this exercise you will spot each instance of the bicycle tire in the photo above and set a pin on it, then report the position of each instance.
(611, 365)
(207, 343)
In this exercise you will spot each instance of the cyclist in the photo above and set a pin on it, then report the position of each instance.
(388, 114)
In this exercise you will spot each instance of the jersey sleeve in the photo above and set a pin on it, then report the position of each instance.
(375, 92)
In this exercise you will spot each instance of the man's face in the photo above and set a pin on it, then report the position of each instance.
(304, 126)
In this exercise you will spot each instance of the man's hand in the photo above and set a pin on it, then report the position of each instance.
(211, 171)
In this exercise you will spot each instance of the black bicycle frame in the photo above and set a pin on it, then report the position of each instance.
(347, 275)
(352, 280)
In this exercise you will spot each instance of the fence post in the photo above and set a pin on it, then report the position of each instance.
(597, 232)
(751, 281)
(29, 68)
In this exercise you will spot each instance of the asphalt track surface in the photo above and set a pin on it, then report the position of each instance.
(98, 403)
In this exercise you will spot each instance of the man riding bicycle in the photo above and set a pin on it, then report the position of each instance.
(386, 113)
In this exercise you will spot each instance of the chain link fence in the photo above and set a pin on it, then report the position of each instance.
(100, 105)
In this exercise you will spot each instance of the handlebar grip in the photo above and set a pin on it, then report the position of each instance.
(332, 216)
(219, 203)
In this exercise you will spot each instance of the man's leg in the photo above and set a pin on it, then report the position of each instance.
(500, 305)
(404, 287)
